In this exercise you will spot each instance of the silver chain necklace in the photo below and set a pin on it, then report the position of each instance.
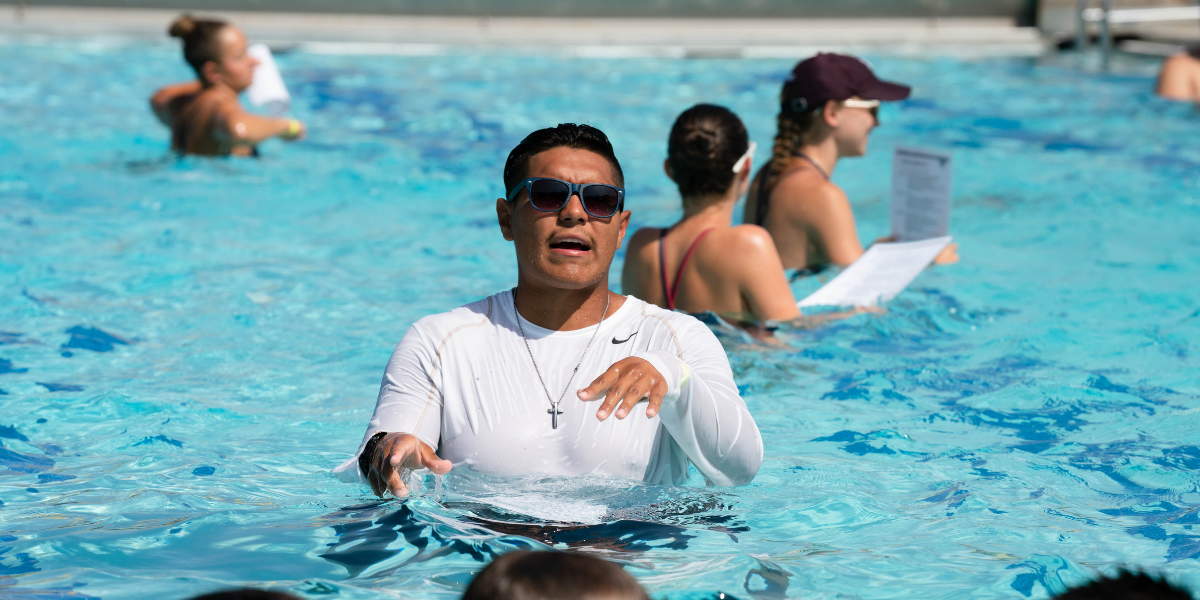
(554, 409)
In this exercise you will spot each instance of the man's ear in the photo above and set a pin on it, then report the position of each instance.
(504, 217)
(624, 225)
(667, 168)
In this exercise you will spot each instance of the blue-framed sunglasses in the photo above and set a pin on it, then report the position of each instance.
(550, 195)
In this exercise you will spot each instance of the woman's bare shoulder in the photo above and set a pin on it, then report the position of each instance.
(807, 185)
(741, 254)
(748, 241)
(642, 238)
(168, 93)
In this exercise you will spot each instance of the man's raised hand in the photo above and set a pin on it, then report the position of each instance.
(396, 454)
(627, 382)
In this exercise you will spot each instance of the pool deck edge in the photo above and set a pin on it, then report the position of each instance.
(626, 37)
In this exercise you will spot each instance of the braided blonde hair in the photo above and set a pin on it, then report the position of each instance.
(795, 128)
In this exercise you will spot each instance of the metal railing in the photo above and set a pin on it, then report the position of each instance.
(1107, 16)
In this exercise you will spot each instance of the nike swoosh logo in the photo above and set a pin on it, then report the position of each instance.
(616, 341)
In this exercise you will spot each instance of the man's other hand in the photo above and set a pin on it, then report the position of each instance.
(396, 454)
(623, 385)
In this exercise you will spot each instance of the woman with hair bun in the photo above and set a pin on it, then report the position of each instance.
(703, 263)
(204, 115)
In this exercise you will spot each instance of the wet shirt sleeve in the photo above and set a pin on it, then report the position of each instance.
(409, 399)
(703, 411)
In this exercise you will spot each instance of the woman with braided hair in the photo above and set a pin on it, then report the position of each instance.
(204, 115)
(829, 105)
(703, 263)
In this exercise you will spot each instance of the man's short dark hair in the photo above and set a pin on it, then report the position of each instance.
(525, 575)
(1127, 585)
(580, 137)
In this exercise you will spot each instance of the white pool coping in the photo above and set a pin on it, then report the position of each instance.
(358, 34)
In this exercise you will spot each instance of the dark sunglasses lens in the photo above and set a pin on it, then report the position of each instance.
(601, 200)
(548, 195)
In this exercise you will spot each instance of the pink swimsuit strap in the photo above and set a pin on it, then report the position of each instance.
(670, 290)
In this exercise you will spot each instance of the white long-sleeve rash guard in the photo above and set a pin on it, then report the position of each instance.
(463, 382)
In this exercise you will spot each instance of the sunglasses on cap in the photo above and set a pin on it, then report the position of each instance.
(600, 200)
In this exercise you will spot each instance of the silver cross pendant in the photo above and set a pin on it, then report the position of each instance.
(554, 412)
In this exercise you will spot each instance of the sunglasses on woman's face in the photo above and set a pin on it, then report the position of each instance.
(870, 105)
(600, 200)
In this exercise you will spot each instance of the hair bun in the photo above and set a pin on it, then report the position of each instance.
(702, 144)
(183, 27)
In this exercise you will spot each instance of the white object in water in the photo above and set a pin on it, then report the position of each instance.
(920, 194)
(267, 90)
(883, 271)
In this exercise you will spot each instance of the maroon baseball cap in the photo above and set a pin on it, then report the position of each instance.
(830, 76)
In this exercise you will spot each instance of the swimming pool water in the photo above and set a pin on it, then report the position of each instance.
(189, 346)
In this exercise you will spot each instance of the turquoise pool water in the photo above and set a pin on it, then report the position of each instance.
(189, 346)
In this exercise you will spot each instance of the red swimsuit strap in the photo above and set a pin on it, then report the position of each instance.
(671, 290)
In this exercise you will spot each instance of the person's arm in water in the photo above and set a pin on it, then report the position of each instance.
(407, 434)
(766, 287)
(394, 453)
(696, 399)
(161, 101)
(235, 126)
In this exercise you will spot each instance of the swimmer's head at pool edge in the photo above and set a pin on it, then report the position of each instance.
(216, 50)
(523, 575)
(569, 250)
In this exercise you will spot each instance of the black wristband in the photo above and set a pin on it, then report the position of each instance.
(368, 454)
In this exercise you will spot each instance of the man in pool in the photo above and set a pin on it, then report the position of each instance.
(204, 115)
(500, 385)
